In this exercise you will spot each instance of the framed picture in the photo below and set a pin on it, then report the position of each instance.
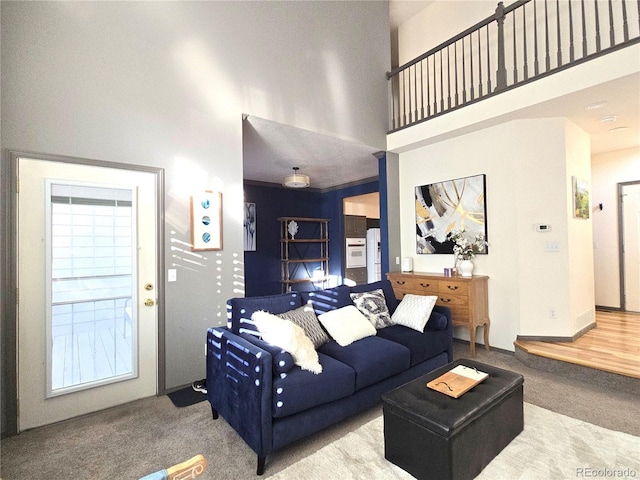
(441, 207)
(206, 221)
(249, 227)
(580, 198)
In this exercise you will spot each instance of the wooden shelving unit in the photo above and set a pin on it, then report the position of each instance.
(305, 257)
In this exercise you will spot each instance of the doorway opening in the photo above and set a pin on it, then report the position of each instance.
(629, 245)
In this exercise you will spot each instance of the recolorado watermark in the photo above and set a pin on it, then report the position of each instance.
(591, 472)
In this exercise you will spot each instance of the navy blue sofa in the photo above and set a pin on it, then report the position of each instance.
(271, 403)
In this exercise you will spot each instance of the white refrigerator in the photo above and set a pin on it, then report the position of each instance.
(373, 255)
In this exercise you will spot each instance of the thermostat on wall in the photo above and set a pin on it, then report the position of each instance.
(542, 227)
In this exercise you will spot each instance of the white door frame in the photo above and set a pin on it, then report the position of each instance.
(8, 264)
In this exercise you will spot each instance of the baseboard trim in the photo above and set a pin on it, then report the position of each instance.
(601, 308)
(538, 338)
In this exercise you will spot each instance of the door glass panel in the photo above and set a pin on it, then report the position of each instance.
(91, 317)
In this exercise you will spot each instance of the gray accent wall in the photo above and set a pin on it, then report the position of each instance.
(393, 205)
(165, 84)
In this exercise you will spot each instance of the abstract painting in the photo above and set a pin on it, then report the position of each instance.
(249, 227)
(450, 205)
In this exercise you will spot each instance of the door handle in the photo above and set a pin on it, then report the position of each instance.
(149, 303)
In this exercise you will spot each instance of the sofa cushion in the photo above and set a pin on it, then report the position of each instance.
(346, 325)
(290, 337)
(239, 310)
(373, 306)
(421, 345)
(281, 359)
(385, 286)
(299, 390)
(372, 358)
(306, 319)
(328, 299)
(414, 311)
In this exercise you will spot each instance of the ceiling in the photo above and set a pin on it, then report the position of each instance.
(271, 150)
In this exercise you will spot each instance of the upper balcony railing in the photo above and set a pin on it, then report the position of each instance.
(520, 43)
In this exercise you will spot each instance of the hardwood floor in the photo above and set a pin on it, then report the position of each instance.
(613, 345)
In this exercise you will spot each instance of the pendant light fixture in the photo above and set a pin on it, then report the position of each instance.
(297, 180)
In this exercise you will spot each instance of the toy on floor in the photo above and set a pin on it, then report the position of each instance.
(192, 468)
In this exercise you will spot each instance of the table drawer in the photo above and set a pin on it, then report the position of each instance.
(447, 287)
(459, 314)
(453, 301)
(416, 286)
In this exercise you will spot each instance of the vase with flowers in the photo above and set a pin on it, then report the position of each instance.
(465, 249)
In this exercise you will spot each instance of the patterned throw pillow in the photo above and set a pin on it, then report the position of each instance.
(306, 318)
(373, 306)
(414, 311)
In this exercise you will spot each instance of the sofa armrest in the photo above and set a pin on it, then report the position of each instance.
(281, 360)
(239, 386)
(446, 311)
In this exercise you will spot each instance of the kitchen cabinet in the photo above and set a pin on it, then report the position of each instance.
(355, 226)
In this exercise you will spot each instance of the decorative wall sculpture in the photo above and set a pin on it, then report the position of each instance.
(206, 221)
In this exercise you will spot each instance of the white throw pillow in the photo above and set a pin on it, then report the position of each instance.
(290, 337)
(414, 311)
(346, 325)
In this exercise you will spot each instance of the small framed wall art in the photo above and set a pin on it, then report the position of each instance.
(580, 197)
(206, 221)
(249, 227)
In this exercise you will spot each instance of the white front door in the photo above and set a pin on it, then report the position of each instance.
(87, 314)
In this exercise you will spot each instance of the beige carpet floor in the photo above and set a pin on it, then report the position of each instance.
(139, 438)
(552, 446)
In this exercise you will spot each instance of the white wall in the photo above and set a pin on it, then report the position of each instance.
(579, 233)
(609, 169)
(427, 29)
(165, 84)
(526, 166)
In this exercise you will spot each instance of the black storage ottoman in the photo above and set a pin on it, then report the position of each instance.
(435, 437)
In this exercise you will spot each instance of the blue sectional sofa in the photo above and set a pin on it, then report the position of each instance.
(271, 402)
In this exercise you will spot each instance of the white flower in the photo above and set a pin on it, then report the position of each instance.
(464, 247)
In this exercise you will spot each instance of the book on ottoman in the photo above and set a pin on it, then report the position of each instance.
(457, 381)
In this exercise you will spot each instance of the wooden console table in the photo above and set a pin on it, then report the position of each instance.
(467, 297)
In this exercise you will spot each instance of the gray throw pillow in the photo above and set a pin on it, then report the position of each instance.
(373, 306)
(306, 319)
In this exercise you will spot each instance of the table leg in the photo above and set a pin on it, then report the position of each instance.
(486, 336)
(472, 341)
